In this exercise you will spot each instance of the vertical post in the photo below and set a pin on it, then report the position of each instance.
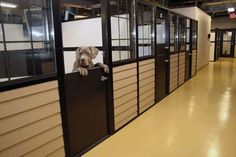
(60, 70)
(168, 51)
(136, 38)
(6, 54)
(106, 37)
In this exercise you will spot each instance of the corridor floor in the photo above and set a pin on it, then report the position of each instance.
(197, 120)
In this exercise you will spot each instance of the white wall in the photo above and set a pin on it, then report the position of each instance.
(80, 33)
(204, 28)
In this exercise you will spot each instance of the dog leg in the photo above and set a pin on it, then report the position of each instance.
(82, 71)
(103, 66)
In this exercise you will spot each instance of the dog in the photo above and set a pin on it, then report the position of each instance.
(83, 62)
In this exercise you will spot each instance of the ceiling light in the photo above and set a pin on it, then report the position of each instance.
(80, 16)
(230, 10)
(8, 5)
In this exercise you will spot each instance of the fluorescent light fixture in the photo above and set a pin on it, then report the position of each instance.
(8, 5)
(230, 10)
(80, 16)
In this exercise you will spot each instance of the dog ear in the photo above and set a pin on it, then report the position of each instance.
(94, 52)
(78, 53)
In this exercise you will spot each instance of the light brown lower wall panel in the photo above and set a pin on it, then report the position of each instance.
(147, 101)
(30, 120)
(121, 92)
(173, 81)
(149, 61)
(125, 82)
(124, 74)
(124, 99)
(21, 92)
(146, 81)
(15, 106)
(29, 131)
(147, 94)
(146, 74)
(59, 153)
(32, 143)
(144, 108)
(125, 114)
(146, 67)
(48, 149)
(126, 106)
(125, 121)
(147, 88)
(26, 118)
(124, 67)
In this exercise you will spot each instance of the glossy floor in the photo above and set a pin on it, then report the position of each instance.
(197, 120)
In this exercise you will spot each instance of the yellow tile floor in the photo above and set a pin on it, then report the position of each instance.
(197, 120)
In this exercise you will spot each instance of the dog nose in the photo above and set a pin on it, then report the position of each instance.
(82, 59)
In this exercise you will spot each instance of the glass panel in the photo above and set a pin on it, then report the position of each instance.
(173, 33)
(18, 46)
(145, 23)
(39, 29)
(80, 9)
(187, 47)
(16, 31)
(116, 56)
(188, 23)
(1, 32)
(161, 32)
(21, 64)
(194, 34)
(122, 48)
(227, 36)
(29, 21)
(182, 33)
(226, 48)
(1, 48)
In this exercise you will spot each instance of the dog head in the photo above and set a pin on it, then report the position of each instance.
(84, 55)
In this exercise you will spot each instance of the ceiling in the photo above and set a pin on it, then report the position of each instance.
(215, 8)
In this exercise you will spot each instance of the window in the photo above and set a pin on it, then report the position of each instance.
(194, 34)
(188, 35)
(182, 34)
(26, 40)
(173, 33)
(145, 23)
(80, 9)
(83, 30)
(122, 42)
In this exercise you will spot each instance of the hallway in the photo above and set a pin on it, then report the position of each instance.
(197, 120)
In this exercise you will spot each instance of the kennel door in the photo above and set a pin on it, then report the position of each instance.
(86, 109)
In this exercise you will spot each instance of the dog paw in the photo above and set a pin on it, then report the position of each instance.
(82, 71)
(106, 69)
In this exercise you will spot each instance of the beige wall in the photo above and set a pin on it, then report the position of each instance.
(30, 122)
(204, 28)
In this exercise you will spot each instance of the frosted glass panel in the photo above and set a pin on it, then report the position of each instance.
(88, 34)
(18, 46)
(226, 48)
(16, 32)
(1, 33)
(1, 47)
(161, 36)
